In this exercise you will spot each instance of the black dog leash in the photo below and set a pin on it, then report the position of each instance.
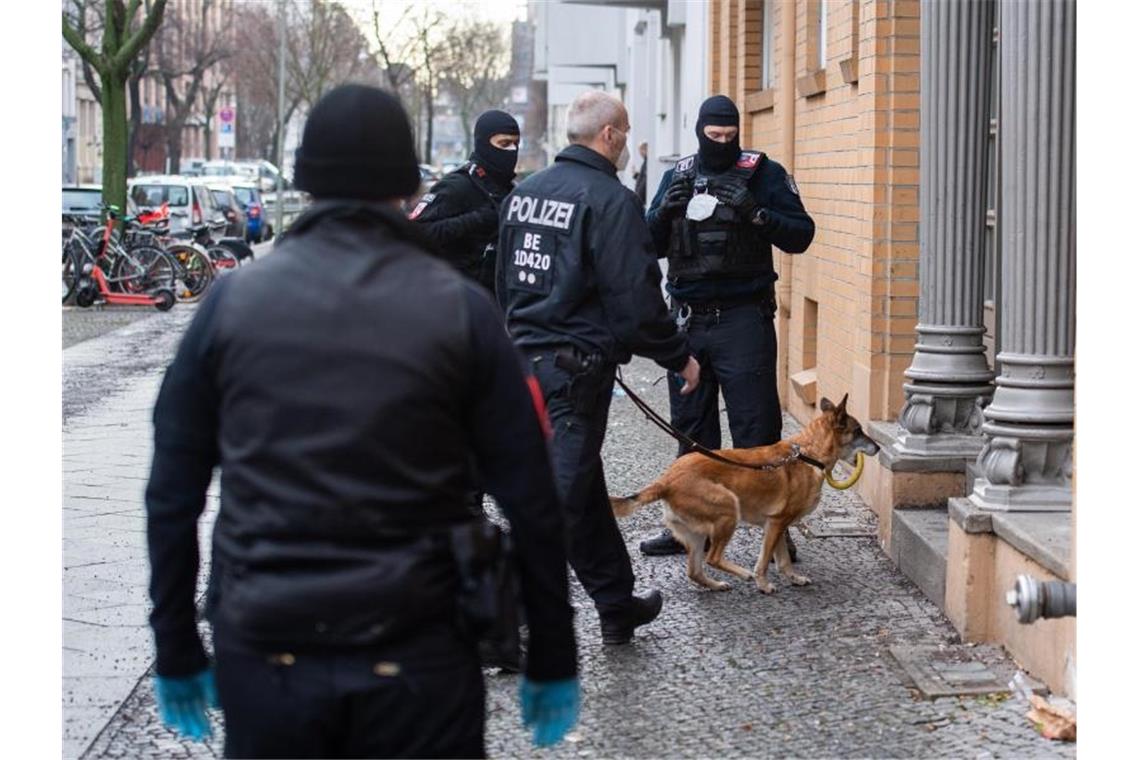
(661, 422)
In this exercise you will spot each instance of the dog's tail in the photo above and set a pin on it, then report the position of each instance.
(624, 506)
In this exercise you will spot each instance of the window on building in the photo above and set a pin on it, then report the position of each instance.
(766, 45)
(821, 44)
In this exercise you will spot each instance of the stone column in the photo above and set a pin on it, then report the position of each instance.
(1027, 460)
(951, 380)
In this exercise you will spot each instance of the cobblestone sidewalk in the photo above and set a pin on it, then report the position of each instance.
(804, 672)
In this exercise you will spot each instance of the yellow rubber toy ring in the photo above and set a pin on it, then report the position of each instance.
(843, 485)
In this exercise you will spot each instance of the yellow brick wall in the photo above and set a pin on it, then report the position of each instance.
(855, 160)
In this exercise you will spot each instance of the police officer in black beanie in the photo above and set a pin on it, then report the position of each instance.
(715, 217)
(342, 385)
(461, 212)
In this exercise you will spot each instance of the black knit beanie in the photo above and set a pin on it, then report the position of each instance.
(718, 111)
(501, 163)
(357, 143)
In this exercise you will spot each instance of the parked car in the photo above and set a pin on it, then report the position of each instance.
(231, 207)
(262, 172)
(191, 167)
(83, 200)
(86, 201)
(257, 227)
(189, 199)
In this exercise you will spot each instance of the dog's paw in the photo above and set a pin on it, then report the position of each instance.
(764, 586)
(720, 585)
(799, 580)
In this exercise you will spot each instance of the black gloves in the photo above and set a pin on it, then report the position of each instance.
(739, 198)
(676, 197)
(485, 219)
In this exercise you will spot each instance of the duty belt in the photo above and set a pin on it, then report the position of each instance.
(715, 307)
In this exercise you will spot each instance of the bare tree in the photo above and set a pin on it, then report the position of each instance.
(473, 69)
(209, 95)
(409, 48)
(123, 36)
(186, 49)
(395, 50)
(325, 48)
(429, 27)
(255, 81)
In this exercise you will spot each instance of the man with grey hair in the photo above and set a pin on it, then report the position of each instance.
(579, 282)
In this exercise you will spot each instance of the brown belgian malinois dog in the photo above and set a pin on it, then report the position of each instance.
(705, 498)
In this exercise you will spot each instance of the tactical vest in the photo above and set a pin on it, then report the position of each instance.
(724, 245)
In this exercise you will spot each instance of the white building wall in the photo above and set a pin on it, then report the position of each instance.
(660, 72)
(69, 145)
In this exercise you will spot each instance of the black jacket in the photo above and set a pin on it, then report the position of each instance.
(577, 265)
(789, 228)
(343, 384)
(460, 214)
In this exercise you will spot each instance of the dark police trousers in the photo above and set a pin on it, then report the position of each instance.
(736, 348)
(578, 405)
(422, 697)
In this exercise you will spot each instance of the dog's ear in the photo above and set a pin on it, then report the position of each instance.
(825, 404)
(842, 408)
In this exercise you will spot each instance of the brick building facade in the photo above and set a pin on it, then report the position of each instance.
(947, 314)
(842, 116)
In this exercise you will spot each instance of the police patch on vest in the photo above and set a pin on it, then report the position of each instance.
(792, 184)
(748, 160)
(685, 163)
(530, 266)
(425, 201)
(545, 212)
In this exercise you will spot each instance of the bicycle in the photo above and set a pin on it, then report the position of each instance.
(103, 267)
(193, 268)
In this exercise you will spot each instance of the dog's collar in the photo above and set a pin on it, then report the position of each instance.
(798, 453)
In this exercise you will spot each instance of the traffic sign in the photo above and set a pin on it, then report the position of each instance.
(227, 116)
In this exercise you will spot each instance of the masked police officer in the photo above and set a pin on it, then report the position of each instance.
(716, 216)
(580, 285)
(341, 387)
(461, 212)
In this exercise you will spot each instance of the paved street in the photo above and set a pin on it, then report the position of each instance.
(804, 672)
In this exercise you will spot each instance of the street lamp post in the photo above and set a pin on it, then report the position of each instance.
(280, 116)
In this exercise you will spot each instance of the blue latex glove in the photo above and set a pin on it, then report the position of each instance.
(182, 703)
(550, 708)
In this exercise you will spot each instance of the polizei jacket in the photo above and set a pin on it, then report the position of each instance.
(577, 266)
(344, 384)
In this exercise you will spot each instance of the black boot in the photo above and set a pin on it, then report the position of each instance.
(662, 545)
(618, 628)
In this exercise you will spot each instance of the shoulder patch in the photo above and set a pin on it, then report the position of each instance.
(685, 163)
(792, 184)
(424, 202)
(748, 160)
(477, 170)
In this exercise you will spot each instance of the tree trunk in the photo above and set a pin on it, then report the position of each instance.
(468, 138)
(209, 150)
(174, 144)
(134, 124)
(115, 139)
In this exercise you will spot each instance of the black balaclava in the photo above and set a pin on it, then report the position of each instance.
(357, 143)
(500, 163)
(718, 111)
